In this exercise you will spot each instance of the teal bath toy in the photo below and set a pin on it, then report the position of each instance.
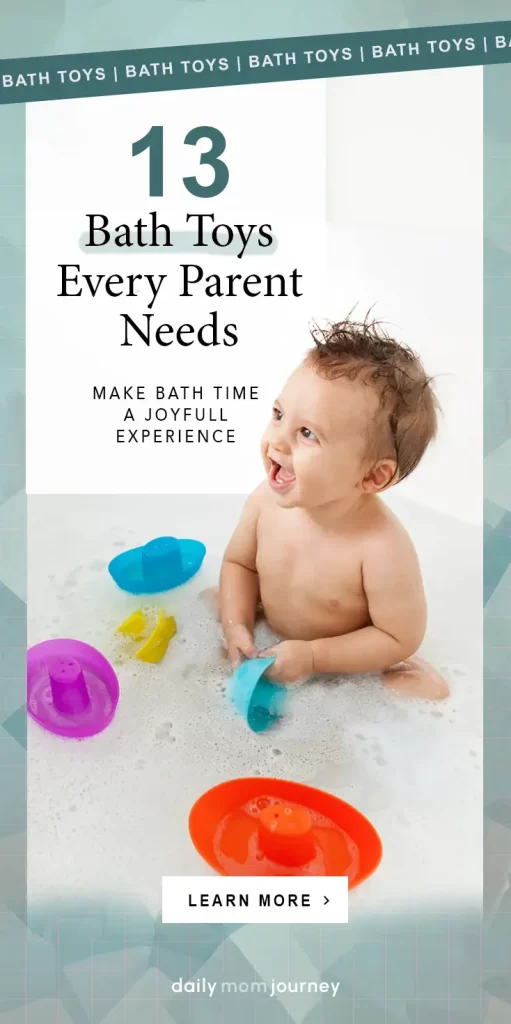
(259, 701)
(160, 565)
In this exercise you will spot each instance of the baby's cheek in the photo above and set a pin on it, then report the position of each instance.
(264, 444)
(302, 468)
(311, 465)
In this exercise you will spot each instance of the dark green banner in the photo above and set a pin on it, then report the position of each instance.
(268, 60)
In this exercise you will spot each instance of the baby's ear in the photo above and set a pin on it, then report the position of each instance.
(382, 475)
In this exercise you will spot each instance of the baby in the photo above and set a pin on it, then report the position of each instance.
(335, 572)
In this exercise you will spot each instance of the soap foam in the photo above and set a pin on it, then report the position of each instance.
(410, 766)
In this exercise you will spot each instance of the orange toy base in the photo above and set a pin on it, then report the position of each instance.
(273, 827)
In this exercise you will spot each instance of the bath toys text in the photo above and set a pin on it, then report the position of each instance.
(186, 280)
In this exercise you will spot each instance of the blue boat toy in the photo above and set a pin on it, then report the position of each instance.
(259, 701)
(160, 565)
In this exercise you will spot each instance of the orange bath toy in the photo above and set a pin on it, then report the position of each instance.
(274, 827)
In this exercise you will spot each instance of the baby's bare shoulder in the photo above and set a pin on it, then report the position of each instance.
(259, 499)
(254, 506)
(386, 539)
(242, 547)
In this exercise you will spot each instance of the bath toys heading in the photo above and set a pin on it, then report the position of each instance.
(160, 565)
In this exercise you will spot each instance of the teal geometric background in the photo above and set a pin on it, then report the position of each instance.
(34, 28)
(109, 963)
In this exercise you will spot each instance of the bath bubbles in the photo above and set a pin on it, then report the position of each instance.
(176, 734)
(98, 565)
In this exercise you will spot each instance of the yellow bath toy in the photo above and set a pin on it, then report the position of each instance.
(134, 626)
(155, 646)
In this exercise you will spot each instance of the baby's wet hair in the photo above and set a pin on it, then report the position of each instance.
(407, 417)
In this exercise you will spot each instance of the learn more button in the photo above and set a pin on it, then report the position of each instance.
(254, 900)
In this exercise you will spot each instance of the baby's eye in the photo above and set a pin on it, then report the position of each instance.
(277, 415)
(307, 434)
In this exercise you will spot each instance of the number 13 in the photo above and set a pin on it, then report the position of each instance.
(153, 141)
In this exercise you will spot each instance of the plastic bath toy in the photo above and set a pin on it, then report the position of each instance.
(274, 827)
(160, 565)
(156, 644)
(260, 702)
(72, 690)
(134, 626)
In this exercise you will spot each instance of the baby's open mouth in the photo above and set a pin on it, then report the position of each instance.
(281, 479)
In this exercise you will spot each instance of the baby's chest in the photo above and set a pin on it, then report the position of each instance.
(300, 563)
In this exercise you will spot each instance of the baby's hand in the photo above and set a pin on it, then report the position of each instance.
(293, 661)
(240, 644)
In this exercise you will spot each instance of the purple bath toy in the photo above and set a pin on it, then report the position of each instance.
(72, 690)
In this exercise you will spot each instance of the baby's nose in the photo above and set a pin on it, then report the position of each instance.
(281, 444)
(280, 440)
(277, 436)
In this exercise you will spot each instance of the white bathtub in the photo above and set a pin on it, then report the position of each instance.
(110, 814)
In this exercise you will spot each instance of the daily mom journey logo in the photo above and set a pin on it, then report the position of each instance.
(204, 987)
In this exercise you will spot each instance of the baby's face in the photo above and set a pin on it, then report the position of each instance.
(315, 445)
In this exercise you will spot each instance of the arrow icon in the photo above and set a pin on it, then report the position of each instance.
(326, 899)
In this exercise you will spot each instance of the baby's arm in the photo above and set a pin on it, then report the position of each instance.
(397, 609)
(239, 584)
